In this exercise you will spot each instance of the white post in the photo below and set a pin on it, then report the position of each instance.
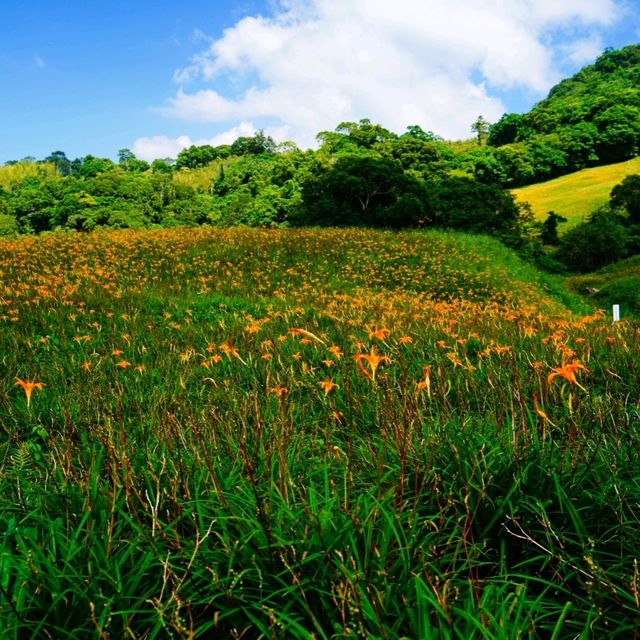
(616, 313)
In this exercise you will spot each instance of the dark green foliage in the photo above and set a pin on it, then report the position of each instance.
(618, 132)
(163, 166)
(128, 161)
(423, 157)
(90, 166)
(259, 190)
(417, 132)
(626, 196)
(350, 137)
(253, 145)
(510, 128)
(465, 204)
(63, 164)
(591, 245)
(549, 229)
(113, 198)
(197, 156)
(361, 190)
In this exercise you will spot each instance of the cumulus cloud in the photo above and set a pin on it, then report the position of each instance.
(153, 147)
(583, 51)
(315, 63)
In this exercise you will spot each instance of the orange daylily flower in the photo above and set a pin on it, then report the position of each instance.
(380, 334)
(568, 372)
(336, 351)
(426, 382)
(123, 364)
(327, 386)
(373, 359)
(28, 387)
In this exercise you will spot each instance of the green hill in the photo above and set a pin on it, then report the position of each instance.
(576, 195)
(590, 119)
(618, 283)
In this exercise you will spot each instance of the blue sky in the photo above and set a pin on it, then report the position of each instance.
(93, 76)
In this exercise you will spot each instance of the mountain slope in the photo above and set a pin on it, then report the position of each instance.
(590, 119)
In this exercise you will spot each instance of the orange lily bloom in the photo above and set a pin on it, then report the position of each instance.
(28, 387)
(373, 359)
(380, 334)
(568, 372)
(327, 386)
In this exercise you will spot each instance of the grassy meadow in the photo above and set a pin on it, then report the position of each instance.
(310, 434)
(576, 195)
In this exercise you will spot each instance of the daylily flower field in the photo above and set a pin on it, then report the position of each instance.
(311, 434)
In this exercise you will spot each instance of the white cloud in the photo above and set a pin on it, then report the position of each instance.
(154, 147)
(315, 63)
(584, 51)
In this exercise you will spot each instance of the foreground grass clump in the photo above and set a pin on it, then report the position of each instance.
(310, 434)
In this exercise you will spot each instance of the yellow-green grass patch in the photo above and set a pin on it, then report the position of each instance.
(576, 195)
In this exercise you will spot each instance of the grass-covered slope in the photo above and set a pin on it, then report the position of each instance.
(576, 195)
(309, 434)
(618, 283)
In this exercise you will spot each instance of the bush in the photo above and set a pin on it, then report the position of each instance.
(594, 244)
(8, 225)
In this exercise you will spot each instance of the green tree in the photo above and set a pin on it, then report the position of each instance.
(197, 156)
(618, 132)
(549, 228)
(60, 160)
(253, 145)
(361, 190)
(468, 205)
(626, 196)
(481, 128)
(417, 132)
(8, 225)
(128, 161)
(594, 244)
(510, 128)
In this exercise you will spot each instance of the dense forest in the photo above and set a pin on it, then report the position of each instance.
(362, 174)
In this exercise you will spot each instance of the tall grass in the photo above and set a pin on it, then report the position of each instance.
(309, 434)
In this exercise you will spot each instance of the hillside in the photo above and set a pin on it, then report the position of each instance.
(618, 283)
(576, 195)
(590, 119)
